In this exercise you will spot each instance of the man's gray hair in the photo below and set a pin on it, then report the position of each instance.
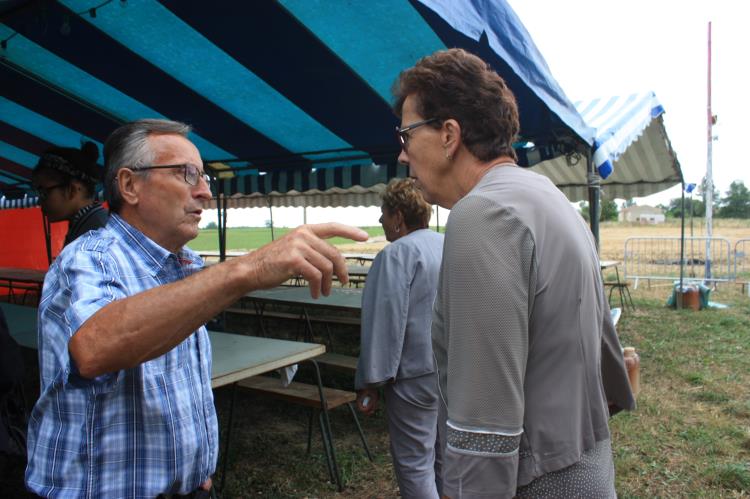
(128, 147)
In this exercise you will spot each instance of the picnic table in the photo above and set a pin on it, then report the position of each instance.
(235, 357)
(358, 270)
(340, 298)
(20, 279)
(22, 324)
(357, 274)
(211, 257)
(607, 264)
(326, 309)
(361, 258)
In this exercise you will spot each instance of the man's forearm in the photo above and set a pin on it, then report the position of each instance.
(130, 331)
(133, 330)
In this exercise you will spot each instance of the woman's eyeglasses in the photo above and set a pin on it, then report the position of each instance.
(403, 133)
(192, 172)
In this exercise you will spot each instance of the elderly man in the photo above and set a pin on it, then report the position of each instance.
(126, 408)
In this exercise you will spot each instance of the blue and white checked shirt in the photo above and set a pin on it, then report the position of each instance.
(133, 433)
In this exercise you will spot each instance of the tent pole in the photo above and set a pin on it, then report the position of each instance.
(47, 237)
(270, 209)
(224, 201)
(221, 213)
(682, 236)
(437, 217)
(593, 185)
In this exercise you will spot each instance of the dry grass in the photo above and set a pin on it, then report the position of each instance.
(689, 437)
(614, 234)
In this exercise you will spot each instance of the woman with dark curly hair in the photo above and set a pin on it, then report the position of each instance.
(65, 179)
(396, 349)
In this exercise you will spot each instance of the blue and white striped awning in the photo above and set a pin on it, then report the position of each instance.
(278, 87)
(632, 152)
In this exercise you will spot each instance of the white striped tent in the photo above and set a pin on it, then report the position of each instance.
(632, 152)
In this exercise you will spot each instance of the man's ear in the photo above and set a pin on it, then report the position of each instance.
(129, 184)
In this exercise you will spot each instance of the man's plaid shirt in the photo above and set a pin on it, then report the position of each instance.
(133, 433)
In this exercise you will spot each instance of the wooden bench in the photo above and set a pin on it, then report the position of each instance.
(298, 393)
(338, 361)
(316, 398)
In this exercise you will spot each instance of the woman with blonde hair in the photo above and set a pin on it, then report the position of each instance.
(396, 350)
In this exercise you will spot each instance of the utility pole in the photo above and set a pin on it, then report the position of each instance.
(709, 172)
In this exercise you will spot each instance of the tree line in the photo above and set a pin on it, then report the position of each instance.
(734, 204)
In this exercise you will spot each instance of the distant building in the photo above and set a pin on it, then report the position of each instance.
(642, 214)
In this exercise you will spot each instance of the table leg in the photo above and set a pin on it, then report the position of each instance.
(310, 333)
(326, 428)
(259, 309)
(619, 288)
(228, 437)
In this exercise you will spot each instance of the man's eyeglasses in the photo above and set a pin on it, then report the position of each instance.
(192, 172)
(43, 192)
(403, 133)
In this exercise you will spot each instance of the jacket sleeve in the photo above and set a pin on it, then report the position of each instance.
(486, 296)
(385, 307)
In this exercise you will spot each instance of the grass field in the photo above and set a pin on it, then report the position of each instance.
(247, 238)
(689, 436)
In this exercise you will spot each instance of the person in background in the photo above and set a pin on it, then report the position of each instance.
(12, 411)
(396, 349)
(65, 180)
(126, 407)
(520, 319)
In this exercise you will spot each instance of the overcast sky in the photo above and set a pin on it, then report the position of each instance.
(604, 48)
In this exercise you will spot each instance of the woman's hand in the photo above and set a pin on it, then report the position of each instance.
(367, 400)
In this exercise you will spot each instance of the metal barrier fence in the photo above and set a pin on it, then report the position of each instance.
(742, 261)
(658, 258)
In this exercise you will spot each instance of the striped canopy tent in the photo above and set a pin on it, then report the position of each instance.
(286, 96)
(632, 152)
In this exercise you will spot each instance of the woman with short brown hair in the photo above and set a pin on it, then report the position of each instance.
(520, 311)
